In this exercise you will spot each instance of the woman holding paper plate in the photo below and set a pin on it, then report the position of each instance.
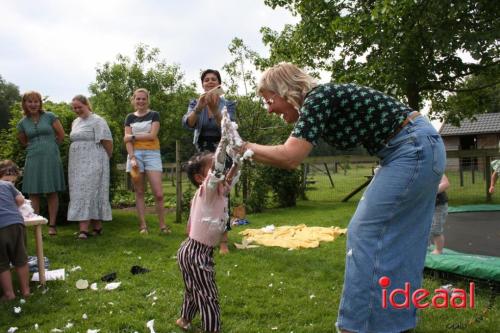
(204, 114)
(204, 117)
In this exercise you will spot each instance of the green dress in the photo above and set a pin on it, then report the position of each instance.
(43, 170)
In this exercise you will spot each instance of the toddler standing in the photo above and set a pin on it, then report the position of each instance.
(12, 233)
(207, 224)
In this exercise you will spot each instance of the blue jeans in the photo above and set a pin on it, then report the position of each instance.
(147, 160)
(388, 234)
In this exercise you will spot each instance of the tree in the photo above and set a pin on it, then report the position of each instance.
(12, 149)
(468, 100)
(256, 126)
(408, 48)
(116, 82)
(9, 94)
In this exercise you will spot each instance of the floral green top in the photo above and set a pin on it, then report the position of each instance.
(346, 115)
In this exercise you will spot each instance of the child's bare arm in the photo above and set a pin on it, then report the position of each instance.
(19, 200)
(494, 177)
(233, 172)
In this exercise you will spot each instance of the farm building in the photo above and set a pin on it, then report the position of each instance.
(483, 133)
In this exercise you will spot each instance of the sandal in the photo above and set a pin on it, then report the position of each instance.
(97, 232)
(83, 235)
(165, 230)
(52, 230)
(143, 230)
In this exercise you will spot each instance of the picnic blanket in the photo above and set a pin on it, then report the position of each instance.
(292, 237)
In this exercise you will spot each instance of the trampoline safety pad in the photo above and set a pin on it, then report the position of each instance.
(470, 265)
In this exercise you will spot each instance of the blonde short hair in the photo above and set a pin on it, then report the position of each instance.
(288, 81)
(30, 95)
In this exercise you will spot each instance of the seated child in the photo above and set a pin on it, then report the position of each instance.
(12, 233)
(206, 225)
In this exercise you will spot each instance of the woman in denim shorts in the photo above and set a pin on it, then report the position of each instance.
(144, 158)
(388, 234)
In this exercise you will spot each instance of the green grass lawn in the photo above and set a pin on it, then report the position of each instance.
(261, 290)
(471, 189)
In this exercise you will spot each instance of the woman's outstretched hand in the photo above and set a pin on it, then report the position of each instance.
(213, 103)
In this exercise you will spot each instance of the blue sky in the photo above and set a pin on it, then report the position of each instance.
(54, 46)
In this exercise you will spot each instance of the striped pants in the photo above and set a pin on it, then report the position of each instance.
(197, 266)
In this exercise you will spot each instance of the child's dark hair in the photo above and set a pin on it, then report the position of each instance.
(195, 165)
(8, 168)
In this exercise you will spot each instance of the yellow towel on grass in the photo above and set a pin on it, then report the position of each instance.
(292, 237)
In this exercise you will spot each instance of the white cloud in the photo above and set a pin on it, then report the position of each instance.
(54, 46)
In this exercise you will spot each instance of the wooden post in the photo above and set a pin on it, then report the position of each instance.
(461, 172)
(39, 254)
(172, 178)
(357, 189)
(328, 173)
(304, 178)
(473, 169)
(178, 174)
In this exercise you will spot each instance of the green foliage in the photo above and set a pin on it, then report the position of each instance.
(14, 151)
(409, 49)
(241, 68)
(257, 198)
(285, 185)
(255, 125)
(477, 95)
(9, 94)
(115, 83)
(187, 196)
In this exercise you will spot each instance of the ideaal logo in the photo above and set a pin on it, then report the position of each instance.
(441, 298)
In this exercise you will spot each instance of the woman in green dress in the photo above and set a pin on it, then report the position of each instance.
(41, 133)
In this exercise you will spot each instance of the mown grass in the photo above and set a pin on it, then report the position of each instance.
(261, 290)
(471, 189)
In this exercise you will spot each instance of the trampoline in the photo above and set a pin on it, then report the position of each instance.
(472, 243)
(473, 232)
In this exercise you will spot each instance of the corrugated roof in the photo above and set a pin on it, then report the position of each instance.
(484, 123)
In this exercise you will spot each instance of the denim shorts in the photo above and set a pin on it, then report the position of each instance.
(438, 220)
(148, 160)
(388, 233)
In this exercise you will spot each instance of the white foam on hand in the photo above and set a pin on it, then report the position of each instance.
(28, 212)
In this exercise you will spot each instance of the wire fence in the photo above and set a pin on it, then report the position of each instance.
(337, 180)
(469, 178)
(344, 178)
